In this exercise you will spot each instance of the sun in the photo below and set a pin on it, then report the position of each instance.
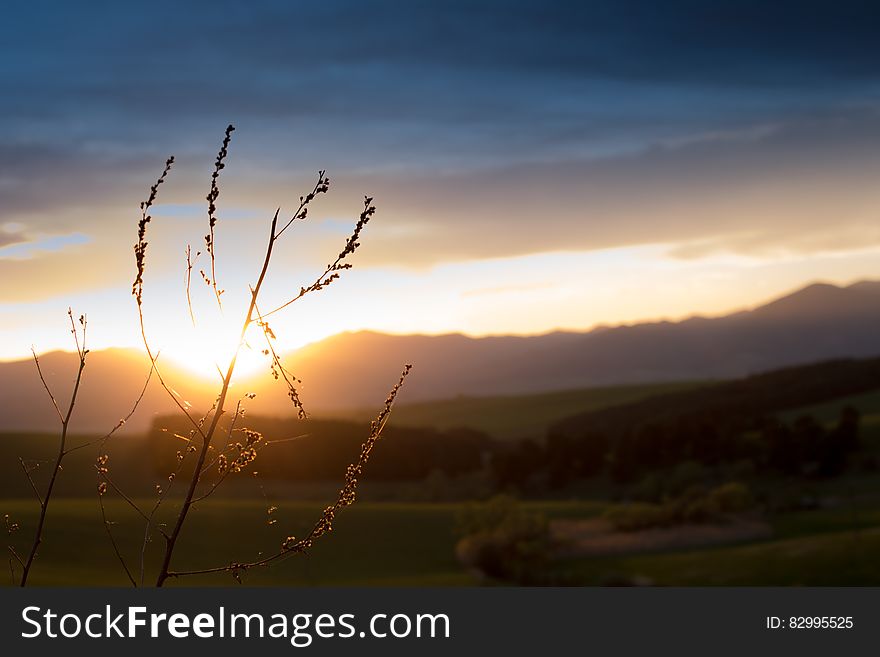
(206, 351)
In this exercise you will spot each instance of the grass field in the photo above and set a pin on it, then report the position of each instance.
(381, 544)
(829, 559)
(412, 545)
(523, 416)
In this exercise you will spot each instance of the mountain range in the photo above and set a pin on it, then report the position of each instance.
(355, 370)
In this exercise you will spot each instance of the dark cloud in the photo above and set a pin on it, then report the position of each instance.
(487, 128)
(127, 68)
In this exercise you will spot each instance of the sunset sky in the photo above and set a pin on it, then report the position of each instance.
(535, 165)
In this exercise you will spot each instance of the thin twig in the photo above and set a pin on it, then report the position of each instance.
(189, 267)
(113, 541)
(15, 554)
(30, 479)
(122, 494)
(65, 423)
(175, 397)
(320, 187)
(12, 564)
(331, 273)
(163, 492)
(287, 440)
(235, 417)
(226, 471)
(103, 439)
(213, 487)
(292, 392)
(46, 385)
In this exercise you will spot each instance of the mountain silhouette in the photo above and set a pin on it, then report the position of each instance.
(355, 370)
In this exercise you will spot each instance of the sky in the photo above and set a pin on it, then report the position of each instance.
(535, 165)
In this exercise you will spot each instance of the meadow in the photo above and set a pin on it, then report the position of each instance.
(826, 531)
(399, 544)
(388, 544)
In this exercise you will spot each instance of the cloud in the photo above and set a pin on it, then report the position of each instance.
(804, 185)
(10, 234)
(456, 80)
(500, 290)
(23, 249)
(484, 130)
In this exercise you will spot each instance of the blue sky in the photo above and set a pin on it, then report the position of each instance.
(686, 135)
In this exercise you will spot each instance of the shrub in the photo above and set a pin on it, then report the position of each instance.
(503, 541)
(677, 482)
(732, 497)
(694, 505)
(699, 510)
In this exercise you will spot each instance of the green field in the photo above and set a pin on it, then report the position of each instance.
(371, 544)
(519, 416)
(385, 541)
(832, 559)
(412, 545)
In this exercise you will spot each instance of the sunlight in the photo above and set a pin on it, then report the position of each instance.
(206, 350)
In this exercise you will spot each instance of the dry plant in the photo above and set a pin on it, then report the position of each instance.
(64, 419)
(206, 433)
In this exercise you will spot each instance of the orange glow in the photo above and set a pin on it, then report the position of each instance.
(206, 352)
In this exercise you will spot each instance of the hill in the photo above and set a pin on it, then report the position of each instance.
(740, 401)
(756, 420)
(509, 417)
(819, 322)
(355, 370)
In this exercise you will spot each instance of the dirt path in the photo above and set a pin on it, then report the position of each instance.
(596, 537)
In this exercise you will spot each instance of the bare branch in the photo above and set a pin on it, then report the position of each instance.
(27, 473)
(65, 423)
(12, 563)
(121, 493)
(190, 261)
(46, 385)
(113, 540)
(15, 554)
(162, 493)
(103, 439)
